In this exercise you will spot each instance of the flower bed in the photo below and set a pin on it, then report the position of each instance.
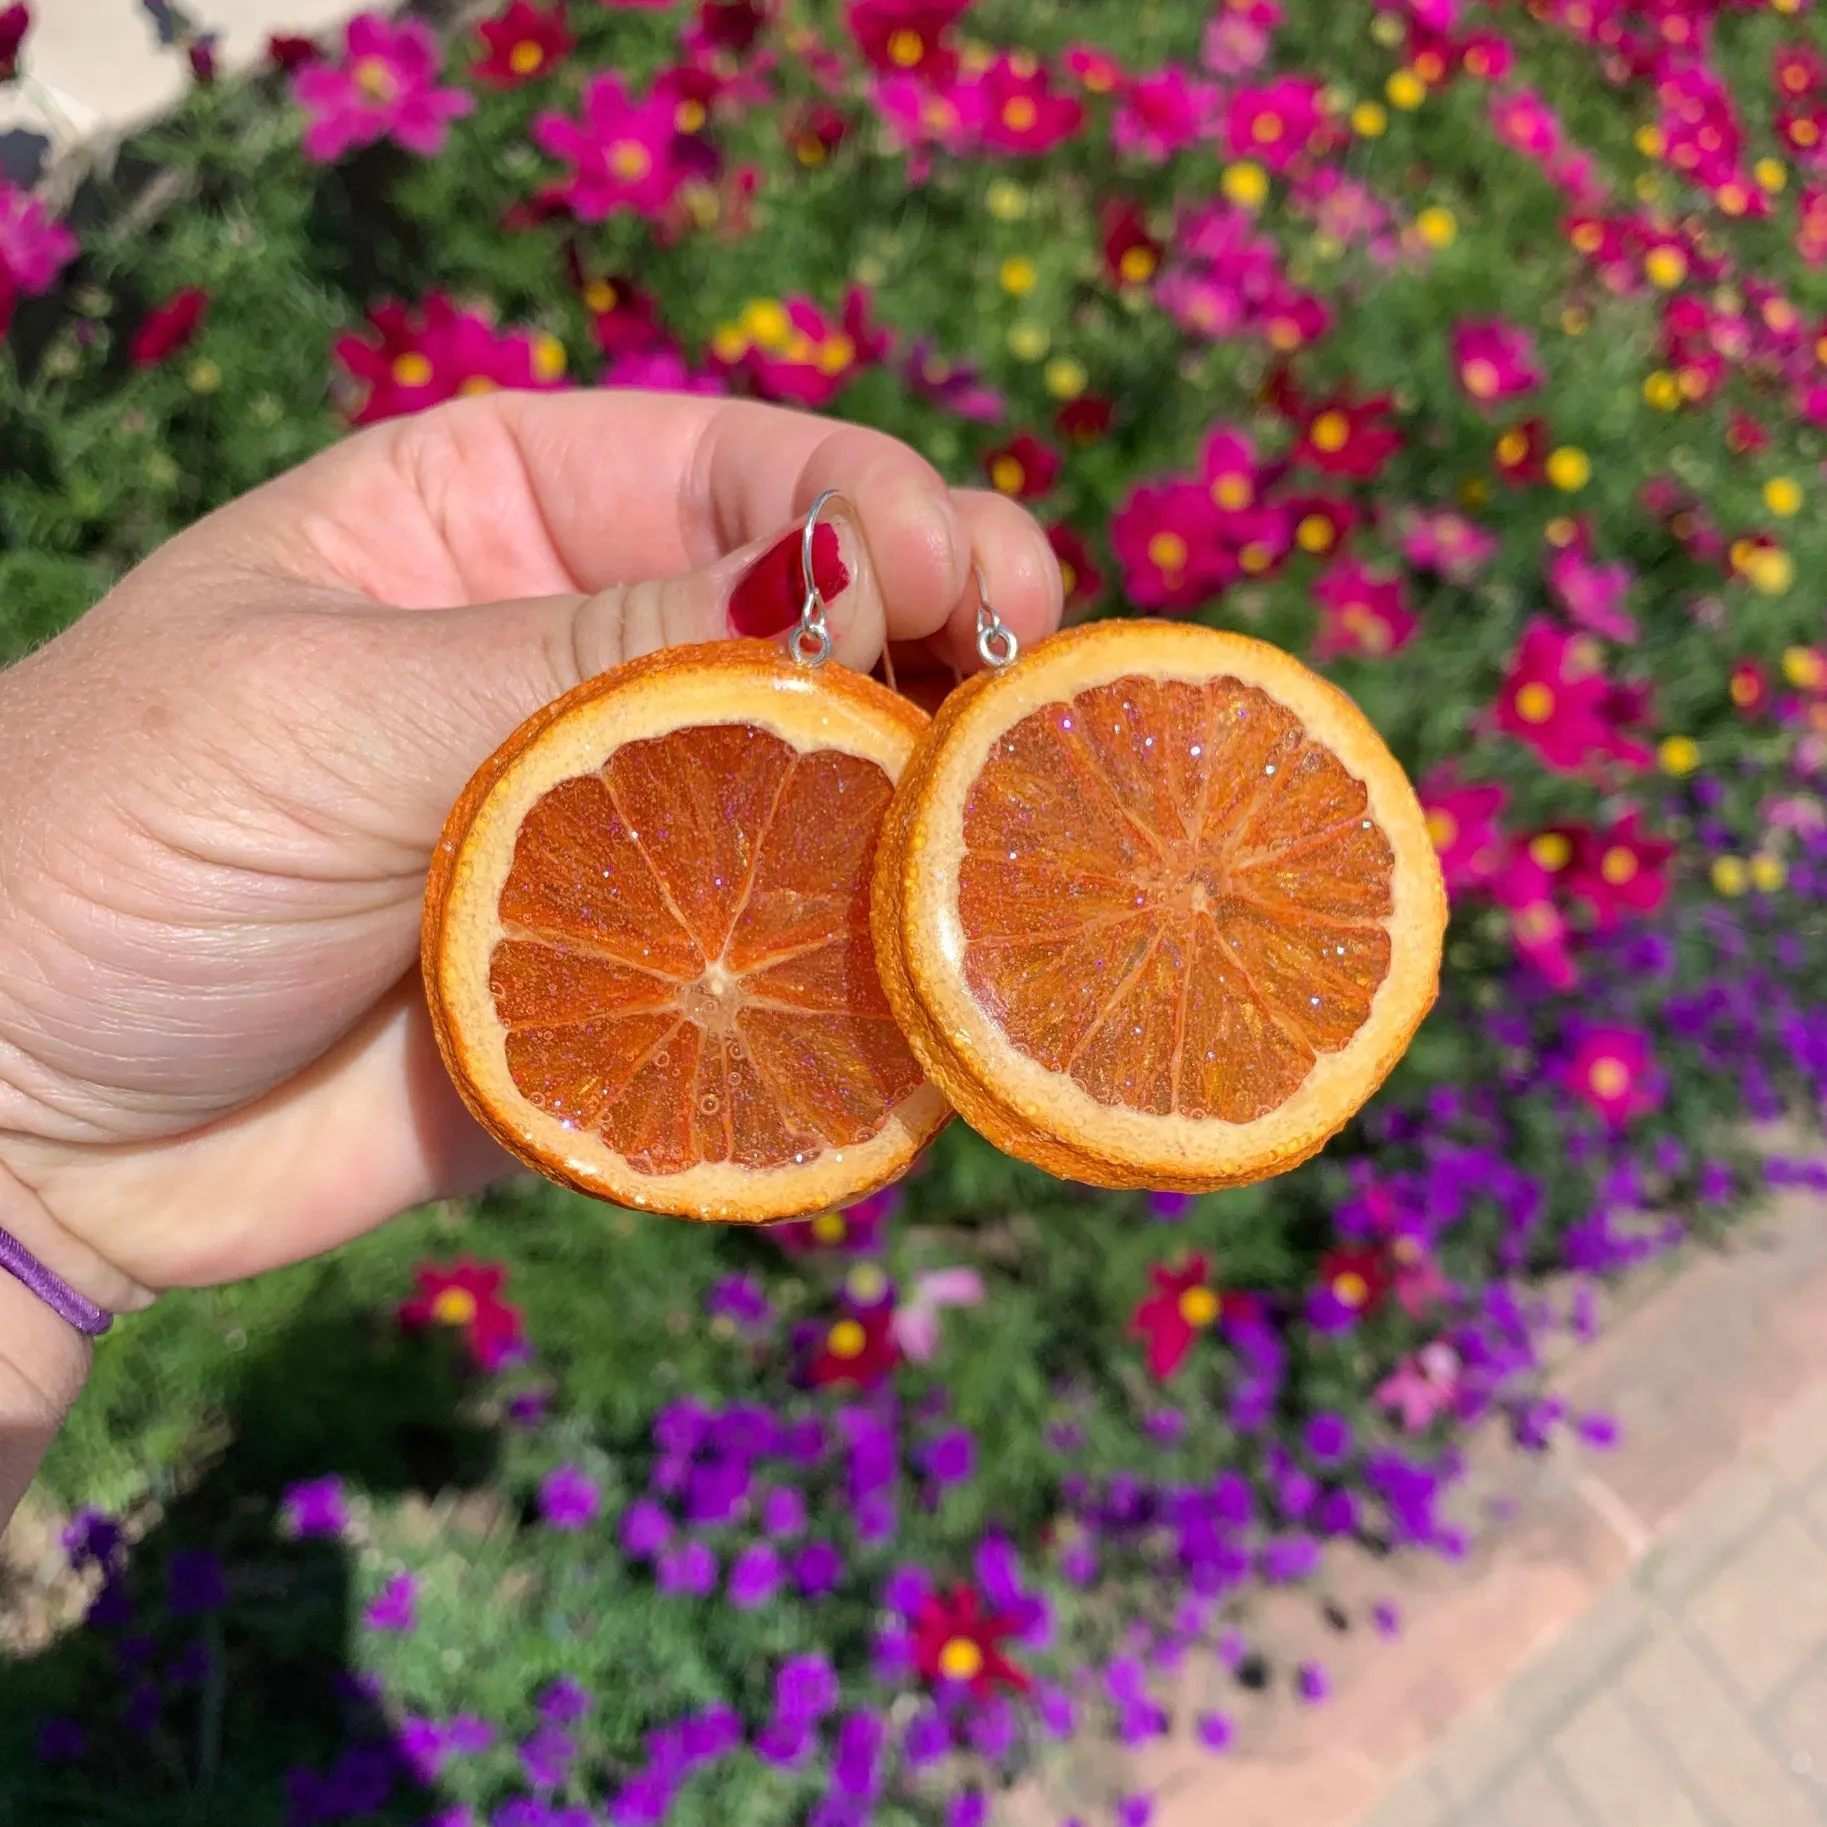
(1507, 411)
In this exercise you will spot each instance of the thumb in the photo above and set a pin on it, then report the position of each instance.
(439, 690)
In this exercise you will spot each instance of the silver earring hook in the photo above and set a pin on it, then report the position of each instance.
(810, 642)
(996, 641)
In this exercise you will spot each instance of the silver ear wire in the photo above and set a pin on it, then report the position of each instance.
(996, 642)
(810, 642)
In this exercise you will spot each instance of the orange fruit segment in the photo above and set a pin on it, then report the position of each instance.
(1157, 907)
(646, 940)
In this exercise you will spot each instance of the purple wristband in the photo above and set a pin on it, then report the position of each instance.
(53, 1290)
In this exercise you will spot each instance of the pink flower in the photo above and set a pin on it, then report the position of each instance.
(1495, 360)
(1163, 113)
(1234, 42)
(790, 351)
(1437, 539)
(1619, 871)
(1424, 1386)
(1613, 1070)
(34, 246)
(1526, 124)
(1556, 699)
(620, 151)
(916, 1320)
(1463, 823)
(385, 88)
(413, 359)
(1593, 594)
(1022, 114)
(1165, 537)
(907, 35)
(1273, 124)
(1227, 467)
(920, 117)
(1361, 613)
(659, 370)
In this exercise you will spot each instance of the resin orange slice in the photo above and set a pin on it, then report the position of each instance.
(1156, 907)
(646, 941)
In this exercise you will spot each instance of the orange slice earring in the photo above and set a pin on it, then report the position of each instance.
(646, 940)
(1154, 905)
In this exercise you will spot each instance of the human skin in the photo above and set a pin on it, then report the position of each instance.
(220, 789)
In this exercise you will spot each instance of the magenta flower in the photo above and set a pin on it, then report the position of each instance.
(1165, 537)
(1526, 124)
(916, 1320)
(396, 1607)
(1236, 41)
(920, 117)
(34, 246)
(1613, 1071)
(620, 152)
(1274, 124)
(1361, 613)
(1557, 700)
(1495, 360)
(1163, 113)
(1439, 540)
(385, 87)
(1022, 114)
(1592, 593)
(317, 1507)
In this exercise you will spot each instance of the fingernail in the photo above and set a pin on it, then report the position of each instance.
(769, 595)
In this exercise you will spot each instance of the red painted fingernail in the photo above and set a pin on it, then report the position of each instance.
(769, 595)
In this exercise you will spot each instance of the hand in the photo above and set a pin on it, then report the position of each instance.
(220, 789)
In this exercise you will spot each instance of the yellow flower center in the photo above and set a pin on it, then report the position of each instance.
(1137, 264)
(1442, 828)
(1665, 266)
(866, 1283)
(1770, 569)
(1512, 447)
(1803, 667)
(1266, 129)
(846, 1339)
(1729, 875)
(600, 296)
(828, 1227)
(374, 79)
(835, 353)
(629, 160)
(1068, 576)
(1245, 183)
(1587, 238)
(766, 321)
(1233, 492)
(690, 115)
(1007, 474)
(906, 47)
(1569, 468)
(1662, 391)
(1019, 114)
(1017, 276)
(411, 369)
(1609, 1077)
(1537, 923)
(548, 357)
(1405, 90)
(1437, 227)
(1481, 378)
(1535, 702)
(1369, 119)
(1167, 552)
(454, 1307)
(1065, 378)
(1366, 627)
(1679, 755)
(1619, 865)
(961, 1660)
(526, 57)
(1255, 557)
(1551, 850)
(1314, 534)
(1199, 1306)
(1350, 1289)
(1783, 496)
(1330, 432)
(1768, 873)
(472, 384)
(1770, 173)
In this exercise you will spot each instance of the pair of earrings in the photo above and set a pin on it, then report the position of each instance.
(731, 932)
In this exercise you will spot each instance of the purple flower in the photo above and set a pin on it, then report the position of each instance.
(783, 1512)
(193, 1583)
(646, 1529)
(527, 1407)
(564, 1702)
(1164, 1424)
(856, 1758)
(1215, 1731)
(967, 1809)
(689, 1568)
(466, 1735)
(1328, 1438)
(1311, 1683)
(91, 1539)
(951, 386)
(805, 1688)
(421, 1746)
(547, 1757)
(1169, 1208)
(644, 1800)
(568, 1499)
(1055, 1709)
(755, 1576)
(785, 1742)
(385, 88)
(925, 1739)
(817, 1568)
(950, 1457)
(739, 1298)
(1287, 1558)
(60, 1741)
(1385, 1619)
(316, 1507)
(706, 1736)
(1598, 1431)
(715, 1493)
(394, 1608)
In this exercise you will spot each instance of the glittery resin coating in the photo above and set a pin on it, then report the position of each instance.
(1171, 896)
(1155, 906)
(686, 968)
(646, 941)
